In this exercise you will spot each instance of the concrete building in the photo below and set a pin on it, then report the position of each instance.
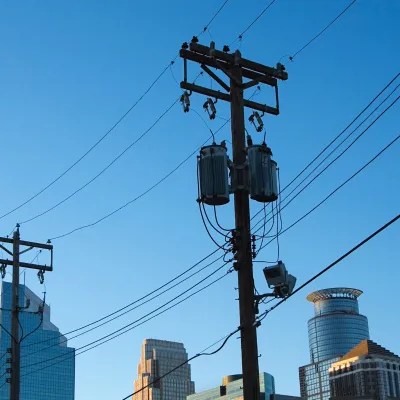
(231, 389)
(47, 364)
(367, 371)
(157, 358)
(335, 329)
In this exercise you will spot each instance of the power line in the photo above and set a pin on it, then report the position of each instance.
(362, 243)
(135, 301)
(320, 33)
(111, 129)
(139, 196)
(124, 313)
(185, 362)
(107, 167)
(337, 189)
(93, 147)
(152, 187)
(124, 329)
(336, 158)
(213, 17)
(333, 140)
(240, 37)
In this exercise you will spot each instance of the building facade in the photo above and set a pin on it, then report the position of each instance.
(157, 358)
(367, 371)
(335, 329)
(232, 389)
(47, 364)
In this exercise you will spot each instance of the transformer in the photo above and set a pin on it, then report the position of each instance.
(213, 175)
(262, 174)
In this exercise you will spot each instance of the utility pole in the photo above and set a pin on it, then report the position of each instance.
(15, 380)
(237, 68)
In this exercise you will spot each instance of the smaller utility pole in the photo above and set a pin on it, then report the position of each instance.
(15, 381)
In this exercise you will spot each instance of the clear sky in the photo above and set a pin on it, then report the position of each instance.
(70, 69)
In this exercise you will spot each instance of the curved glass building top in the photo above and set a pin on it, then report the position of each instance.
(337, 326)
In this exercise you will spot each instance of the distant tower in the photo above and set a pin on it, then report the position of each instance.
(159, 357)
(336, 328)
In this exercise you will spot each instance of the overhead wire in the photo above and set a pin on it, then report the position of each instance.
(92, 147)
(213, 17)
(337, 157)
(338, 187)
(134, 324)
(321, 32)
(336, 138)
(164, 285)
(111, 129)
(125, 312)
(225, 340)
(330, 266)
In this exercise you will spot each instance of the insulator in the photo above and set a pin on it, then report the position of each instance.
(262, 174)
(260, 122)
(185, 101)
(210, 108)
(213, 175)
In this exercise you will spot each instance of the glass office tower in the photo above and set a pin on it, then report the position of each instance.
(336, 328)
(41, 378)
(232, 389)
(159, 357)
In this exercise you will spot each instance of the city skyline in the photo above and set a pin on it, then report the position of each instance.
(71, 69)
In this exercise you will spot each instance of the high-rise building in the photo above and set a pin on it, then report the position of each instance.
(367, 371)
(40, 341)
(334, 330)
(159, 357)
(232, 389)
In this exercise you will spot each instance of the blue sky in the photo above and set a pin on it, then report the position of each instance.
(70, 69)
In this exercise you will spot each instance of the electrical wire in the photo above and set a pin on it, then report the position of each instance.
(330, 266)
(125, 312)
(320, 33)
(129, 326)
(94, 146)
(334, 160)
(139, 196)
(337, 188)
(213, 17)
(107, 167)
(240, 37)
(135, 301)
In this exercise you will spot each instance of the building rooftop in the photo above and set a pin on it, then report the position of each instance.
(334, 293)
(368, 348)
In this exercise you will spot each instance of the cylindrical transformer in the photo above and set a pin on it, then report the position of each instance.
(213, 175)
(262, 174)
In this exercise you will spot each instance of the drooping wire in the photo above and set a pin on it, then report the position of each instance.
(135, 324)
(137, 300)
(330, 266)
(337, 188)
(107, 167)
(91, 148)
(320, 33)
(335, 159)
(225, 340)
(127, 311)
(139, 196)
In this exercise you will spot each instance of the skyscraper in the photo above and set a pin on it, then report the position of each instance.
(40, 341)
(159, 357)
(367, 371)
(232, 389)
(335, 329)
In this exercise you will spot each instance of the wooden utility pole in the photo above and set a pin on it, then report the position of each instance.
(237, 68)
(15, 380)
